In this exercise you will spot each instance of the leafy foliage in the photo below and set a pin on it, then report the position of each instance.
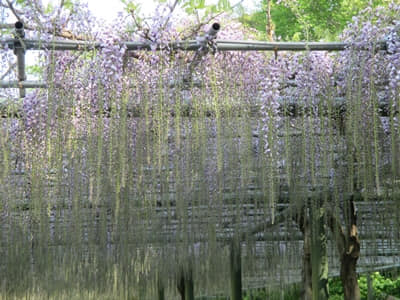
(288, 293)
(309, 20)
(382, 286)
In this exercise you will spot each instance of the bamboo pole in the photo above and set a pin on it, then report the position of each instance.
(19, 51)
(227, 45)
(26, 84)
(190, 45)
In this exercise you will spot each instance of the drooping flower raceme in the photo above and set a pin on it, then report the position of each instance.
(270, 105)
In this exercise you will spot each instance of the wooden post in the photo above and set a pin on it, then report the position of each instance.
(236, 270)
(19, 51)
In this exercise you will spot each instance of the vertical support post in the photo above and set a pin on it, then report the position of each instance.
(236, 269)
(19, 51)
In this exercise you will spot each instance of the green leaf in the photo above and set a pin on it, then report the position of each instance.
(34, 70)
(224, 5)
(133, 7)
(49, 8)
(130, 6)
(211, 9)
(199, 4)
(68, 4)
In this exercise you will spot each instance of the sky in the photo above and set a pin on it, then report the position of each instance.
(108, 10)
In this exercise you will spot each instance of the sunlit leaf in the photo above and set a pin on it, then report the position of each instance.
(49, 8)
(68, 4)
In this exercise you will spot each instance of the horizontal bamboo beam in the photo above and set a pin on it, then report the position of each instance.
(226, 45)
(23, 84)
(190, 45)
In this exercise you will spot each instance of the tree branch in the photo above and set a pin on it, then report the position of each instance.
(10, 68)
(171, 8)
(38, 8)
(59, 10)
(13, 10)
(63, 33)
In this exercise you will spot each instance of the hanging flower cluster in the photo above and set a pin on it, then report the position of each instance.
(110, 71)
(95, 82)
(270, 107)
(393, 67)
(364, 58)
(35, 114)
(313, 78)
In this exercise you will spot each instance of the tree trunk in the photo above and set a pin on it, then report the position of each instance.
(269, 20)
(348, 246)
(348, 276)
(315, 259)
(349, 257)
(306, 293)
(236, 270)
(319, 255)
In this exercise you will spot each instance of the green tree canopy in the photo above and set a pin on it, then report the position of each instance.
(307, 20)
